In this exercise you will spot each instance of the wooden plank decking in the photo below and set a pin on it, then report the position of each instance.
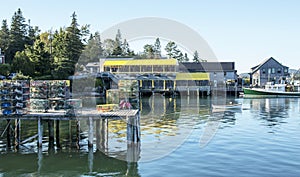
(83, 114)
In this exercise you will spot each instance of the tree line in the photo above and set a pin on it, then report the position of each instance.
(58, 54)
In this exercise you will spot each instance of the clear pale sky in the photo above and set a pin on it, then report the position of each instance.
(243, 31)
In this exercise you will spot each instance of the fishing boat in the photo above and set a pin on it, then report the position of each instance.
(273, 90)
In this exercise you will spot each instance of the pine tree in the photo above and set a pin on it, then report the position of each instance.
(196, 57)
(93, 50)
(171, 49)
(186, 58)
(157, 48)
(118, 44)
(149, 51)
(17, 35)
(4, 37)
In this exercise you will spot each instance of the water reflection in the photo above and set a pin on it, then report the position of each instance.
(273, 111)
(65, 164)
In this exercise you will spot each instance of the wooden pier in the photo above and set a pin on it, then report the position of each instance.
(131, 117)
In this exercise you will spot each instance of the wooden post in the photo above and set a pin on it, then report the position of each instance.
(51, 133)
(98, 135)
(17, 133)
(78, 134)
(40, 132)
(57, 135)
(90, 159)
(133, 129)
(91, 132)
(8, 134)
(129, 130)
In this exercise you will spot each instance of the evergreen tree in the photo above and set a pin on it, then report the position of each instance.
(186, 58)
(171, 48)
(125, 48)
(40, 58)
(4, 37)
(22, 63)
(32, 34)
(109, 46)
(149, 51)
(196, 57)
(118, 44)
(67, 48)
(180, 56)
(17, 35)
(157, 48)
(93, 50)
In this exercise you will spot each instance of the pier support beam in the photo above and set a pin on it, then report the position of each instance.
(91, 132)
(17, 133)
(102, 134)
(133, 129)
(8, 130)
(57, 134)
(78, 134)
(51, 133)
(40, 132)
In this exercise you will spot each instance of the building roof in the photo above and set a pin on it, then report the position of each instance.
(192, 76)
(139, 62)
(256, 68)
(93, 64)
(207, 66)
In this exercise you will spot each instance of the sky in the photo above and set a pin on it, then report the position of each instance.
(242, 31)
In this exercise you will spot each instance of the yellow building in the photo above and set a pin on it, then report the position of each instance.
(141, 66)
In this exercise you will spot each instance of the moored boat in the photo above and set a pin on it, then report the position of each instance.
(272, 90)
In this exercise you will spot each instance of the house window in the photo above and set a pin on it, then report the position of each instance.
(285, 70)
(273, 70)
(264, 71)
(279, 71)
(269, 70)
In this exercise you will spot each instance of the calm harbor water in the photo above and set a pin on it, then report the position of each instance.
(180, 137)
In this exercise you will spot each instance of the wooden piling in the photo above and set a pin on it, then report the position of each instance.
(17, 133)
(8, 130)
(51, 133)
(57, 138)
(78, 134)
(40, 132)
(91, 132)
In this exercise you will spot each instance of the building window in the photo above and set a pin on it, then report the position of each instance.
(285, 70)
(269, 70)
(279, 71)
(264, 71)
(273, 70)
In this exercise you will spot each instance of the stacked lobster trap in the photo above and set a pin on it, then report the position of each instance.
(14, 97)
(22, 96)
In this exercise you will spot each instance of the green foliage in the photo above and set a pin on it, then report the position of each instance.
(21, 76)
(4, 36)
(174, 52)
(149, 51)
(186, 58)
(5, 69)
(17, 35)
(93, 50)
(196, 57)
(23, 64)
(157, 48)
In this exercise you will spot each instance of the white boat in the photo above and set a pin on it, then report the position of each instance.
(273, 90)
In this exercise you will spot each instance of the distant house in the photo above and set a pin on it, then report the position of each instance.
(270, 70)
(93, 67)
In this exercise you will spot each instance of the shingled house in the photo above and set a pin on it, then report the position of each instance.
(270, 70)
